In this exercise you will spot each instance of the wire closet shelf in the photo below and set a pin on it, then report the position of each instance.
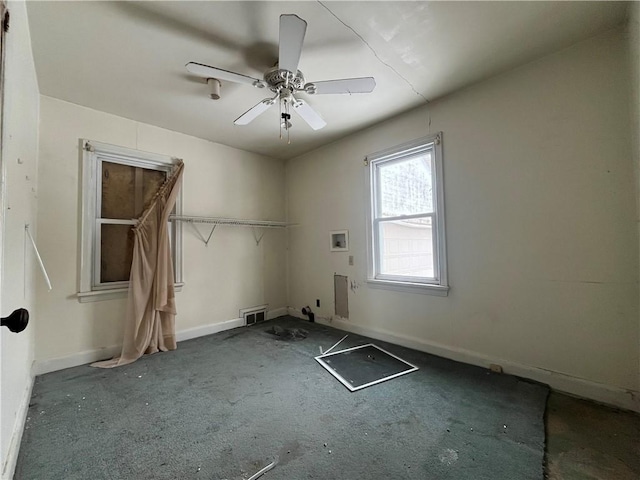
(230, 222)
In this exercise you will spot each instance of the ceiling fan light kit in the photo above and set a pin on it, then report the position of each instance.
(284, 80)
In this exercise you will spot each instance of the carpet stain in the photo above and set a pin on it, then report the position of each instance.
(448, 456)
(290, 451)
(327, 418)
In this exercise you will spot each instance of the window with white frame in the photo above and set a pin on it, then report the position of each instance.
(118, 183)
(406, 234)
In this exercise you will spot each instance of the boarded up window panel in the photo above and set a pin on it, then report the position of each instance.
(126, 190)
(116, 253)
(118, 191)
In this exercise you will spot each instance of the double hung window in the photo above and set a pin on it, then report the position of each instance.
(406, 234)
(118, 184)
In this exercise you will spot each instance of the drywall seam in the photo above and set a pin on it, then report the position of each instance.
(375, 54)
(16, 435)
(41, 367)
(607, 394)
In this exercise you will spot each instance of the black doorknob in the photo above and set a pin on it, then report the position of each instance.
(17, 321)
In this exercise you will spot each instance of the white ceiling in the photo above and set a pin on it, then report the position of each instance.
(127, 58)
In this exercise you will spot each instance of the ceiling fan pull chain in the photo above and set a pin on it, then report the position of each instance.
(288, 125)
(280, 106)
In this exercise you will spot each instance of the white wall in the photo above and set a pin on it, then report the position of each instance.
(230, 274)
(541, 225)
(19, 189)
(634, 54)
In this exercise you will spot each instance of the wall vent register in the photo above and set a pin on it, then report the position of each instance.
(254, 315)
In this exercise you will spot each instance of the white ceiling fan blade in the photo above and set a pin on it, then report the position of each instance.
(251, 114)
(308, 114)
(292, 30)
(344, 85)
(212, 72)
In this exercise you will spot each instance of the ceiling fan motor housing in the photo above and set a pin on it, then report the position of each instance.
(277, 78)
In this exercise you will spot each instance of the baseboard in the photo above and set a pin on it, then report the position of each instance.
(602, 393)
(607, 394)
(11, 461)
(295, 312)
(278, 312)
(41, 367)
(210, 329)
(82, 358)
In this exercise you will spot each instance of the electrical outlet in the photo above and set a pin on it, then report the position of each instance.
(318, 302)
(351, 260)
(495, 368)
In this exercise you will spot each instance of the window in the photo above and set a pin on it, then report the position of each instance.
(118, 184)
(406, 234)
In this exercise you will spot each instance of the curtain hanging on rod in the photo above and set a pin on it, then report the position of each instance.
(151, 309)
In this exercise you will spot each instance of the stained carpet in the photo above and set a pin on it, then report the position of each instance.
(223, 406)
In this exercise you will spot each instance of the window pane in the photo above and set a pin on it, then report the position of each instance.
(118, 186)
(126, 190)
(406, 248)
(116, 253)
(405, 187)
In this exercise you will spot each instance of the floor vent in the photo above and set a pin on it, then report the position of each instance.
(254, 315)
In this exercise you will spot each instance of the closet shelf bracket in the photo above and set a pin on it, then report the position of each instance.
(199, 234)
(256, 237)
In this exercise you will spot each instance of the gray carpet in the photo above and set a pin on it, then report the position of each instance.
(222, 406)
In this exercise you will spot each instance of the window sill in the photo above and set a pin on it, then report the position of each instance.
(407, 287)
(114, 294)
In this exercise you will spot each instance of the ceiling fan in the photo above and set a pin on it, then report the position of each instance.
(285, 80)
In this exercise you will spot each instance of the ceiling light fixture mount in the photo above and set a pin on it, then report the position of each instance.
(214, 88)
(285, 80)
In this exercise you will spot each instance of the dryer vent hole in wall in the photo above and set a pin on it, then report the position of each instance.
(341, 292)
(307, 311)
(255, 316)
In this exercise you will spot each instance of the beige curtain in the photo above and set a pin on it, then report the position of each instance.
(151, 308)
